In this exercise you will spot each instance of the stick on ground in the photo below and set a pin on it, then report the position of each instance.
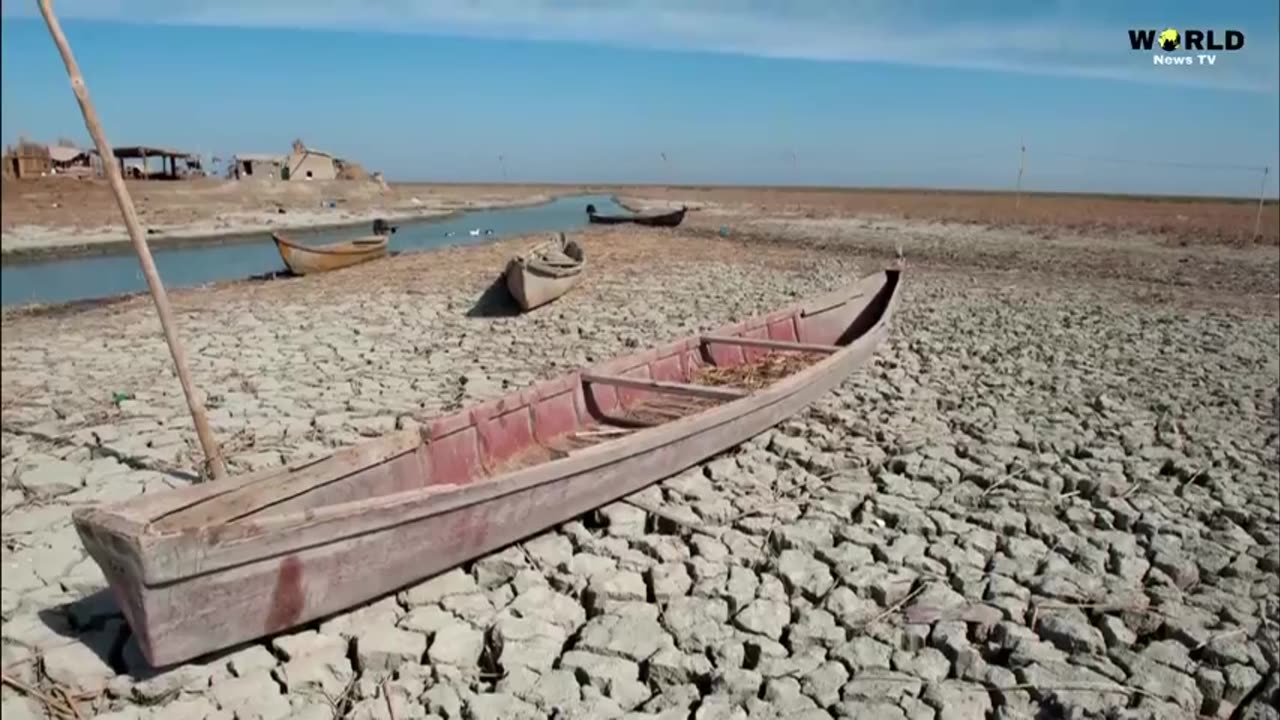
(53, 706)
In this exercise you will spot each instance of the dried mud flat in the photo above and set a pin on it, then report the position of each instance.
(1049, 495)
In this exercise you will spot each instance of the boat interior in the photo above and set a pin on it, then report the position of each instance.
(545, 422)
(557, 254)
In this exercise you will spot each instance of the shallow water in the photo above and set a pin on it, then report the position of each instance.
(88, 278)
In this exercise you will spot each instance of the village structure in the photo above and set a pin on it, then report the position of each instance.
(300, 163)
(29, 159)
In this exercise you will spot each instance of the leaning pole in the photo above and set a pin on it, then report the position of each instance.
(213, 458)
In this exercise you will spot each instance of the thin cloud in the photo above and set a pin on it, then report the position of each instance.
(995, 36)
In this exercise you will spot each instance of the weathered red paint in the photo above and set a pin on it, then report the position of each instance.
(629, 397)
(504, 436)
(783, 329)
(456, 457)
(668, 368)
(287, 599)
(554, 416)
(602, 399)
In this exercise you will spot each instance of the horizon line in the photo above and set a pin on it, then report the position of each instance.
(588, 186)
(841, 188)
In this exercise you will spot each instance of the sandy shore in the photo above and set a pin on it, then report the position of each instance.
(38, 242)
(66, 217)
(1053, 492)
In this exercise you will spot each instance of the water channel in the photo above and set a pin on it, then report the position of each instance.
(99, 276)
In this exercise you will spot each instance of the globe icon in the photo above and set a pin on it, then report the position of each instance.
(1169, 40)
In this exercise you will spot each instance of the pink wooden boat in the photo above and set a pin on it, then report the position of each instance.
(209, 566)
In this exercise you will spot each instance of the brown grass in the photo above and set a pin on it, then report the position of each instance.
(1184, 221)
(757, 374)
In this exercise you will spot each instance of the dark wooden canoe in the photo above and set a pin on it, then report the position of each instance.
(209, 566)
(671, 219)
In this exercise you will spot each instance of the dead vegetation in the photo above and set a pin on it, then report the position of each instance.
(759, 373)
(1181, 221)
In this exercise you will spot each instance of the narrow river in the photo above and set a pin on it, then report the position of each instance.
(100, 276)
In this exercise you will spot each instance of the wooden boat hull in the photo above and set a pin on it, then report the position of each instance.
(533, 282)
(310, 259)
(671, 219)
(207, 567)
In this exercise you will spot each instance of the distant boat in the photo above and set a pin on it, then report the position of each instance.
(671, 219)
(474, 233)
(545, 272)
(309, 259)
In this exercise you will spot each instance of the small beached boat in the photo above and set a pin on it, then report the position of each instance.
(307, 259)
(545, 272)
(206, 567)
(671, 219)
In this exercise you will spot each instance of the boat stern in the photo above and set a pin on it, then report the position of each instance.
(108, 539)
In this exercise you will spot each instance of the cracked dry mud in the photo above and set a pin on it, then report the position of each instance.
(1043, 498)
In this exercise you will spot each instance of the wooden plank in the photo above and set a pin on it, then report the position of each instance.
(661, 386)
(834, 299)
(772, 344)
(290, 484)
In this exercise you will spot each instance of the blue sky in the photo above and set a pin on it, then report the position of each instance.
(843, 92)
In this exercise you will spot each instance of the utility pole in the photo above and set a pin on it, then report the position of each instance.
(1257, 220)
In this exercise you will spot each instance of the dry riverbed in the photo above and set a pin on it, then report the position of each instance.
(1053, 492)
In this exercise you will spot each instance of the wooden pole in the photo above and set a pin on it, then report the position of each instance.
(1257, 220)
(1022, 165)
(213, 458)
